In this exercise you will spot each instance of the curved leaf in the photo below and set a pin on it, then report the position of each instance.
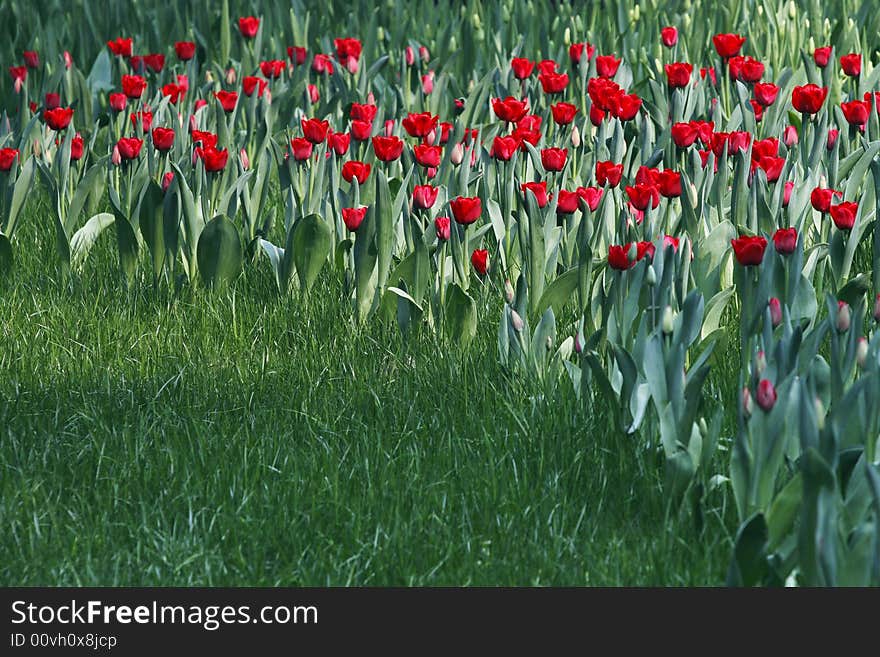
(219, 252)
(83, 239)
(312, 240)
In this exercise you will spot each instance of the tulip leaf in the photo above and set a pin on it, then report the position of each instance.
(276, 258)
(128, 246)
(750, 553)
(152, 225)
(312, 240)
(83, 239)
(461, 314)
(219, 252)
(560, 291)
(6, 259)
(20, 193)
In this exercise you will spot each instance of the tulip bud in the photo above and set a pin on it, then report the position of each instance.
(17, 85)
(790, 136)
(516, 321)
(245, 160)
(832, 138)
(209, 76)
(760, 363)
(371, 99)
(566, 36)
(747, 402)
(704, 429)
(775, 311)
(116, 158)
(792, 10)
(267, 96)
(575, 137)
(431, 137)
(668, 320)
(389, 127)
(548, 343)
(409, 56)
(862, 352)
(820, 413)
(230, 76)
(877, 308)
(352, 65)
(457, 154)
(68, 60)
(508, 291)
(424, 55)
(428, 83)
(651, 276)
(766, 395)
(578, 347)
(380, 33)
(167, 179)
(843, 316)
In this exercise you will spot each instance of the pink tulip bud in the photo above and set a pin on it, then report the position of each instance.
(245, 160)
(578, 347)
(428, 83)
(409, 55)
(352, 65)
(832, 138)
(389, 127)
(230, 76)
(766, 395)
(843, 316)
(862, 352)
(167, 179)
(17, 85)
(877, 308)
(431, 137)
(431, 172)
(267, 96)
(193, 125)
(747, 402)
(775, 312)
(457, 154)
(68, 60)
(314, 96)
(371, 99)
(508, 291)
(786, 193)
(116, 158)
(790, 136)
(516, 321)
(424, 54)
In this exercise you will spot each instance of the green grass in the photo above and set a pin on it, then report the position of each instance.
(245, 438)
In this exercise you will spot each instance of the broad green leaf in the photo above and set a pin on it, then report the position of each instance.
(150, 219)
(219, 252)
(312, 239)
(83, 239)
(461, 315)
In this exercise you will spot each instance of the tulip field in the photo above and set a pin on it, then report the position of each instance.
(499, 292)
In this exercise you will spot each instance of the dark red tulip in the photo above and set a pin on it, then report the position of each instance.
(185, 50)
(133, 86)
(766, 395)
(627, 107)
(618, 257)
(424, 196)
(607, 65)
(427, 156)
(749, 251)
(820, 198)
(576, 50)
(642, 195)
(553, 83)
(563, 113)
(591, 196)
(844, 214)
(856, 112)
(7, 158)
(785, 241)
(173, 91)
(443, 228)
(771, 165)
(387, 149)
(301, 148)
(522, 68)
(251, 82)
(214, 160)
(52, 101)
(851, 64)
(297, 55)
(553, 159)
(510, 109)
(765, 93)
(361, 130)
(353, 217)
(808, 99)
(58, 118)
(227, 99)
(155, 62)
(31, 59)
(129, 147)
(669, 183)
(272, 68)
(684, 134)
(480, 261)
(538, 190)
(144, 118)
(347, 49)
(338, 142)
(566, 202)
(678, 74)
(19, 74)
(356, 170)
(248, 26)
(728, 45)
(420, 125)
(203, 138)
(786, 193)
(608, 173)
(822, 56)
(322, 64)
(364, 113)
(597, 115)
(503, 148)
(163, 139)
(120, 47)
(669, 36)
(315, 130)
(466, 210)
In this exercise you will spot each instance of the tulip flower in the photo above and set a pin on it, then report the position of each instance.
(7, 158)
(355, 170)
(766, 395)
(538, 190)
(669, 36)
(480, 261)
(785, 241)
(424, 196)
(553, 159)
(749, 251)
(775, 311)
(808, 99)
(522, 68)
(353, 217)
(765, 93)
(678, 74)
(844, 214)
(133, 86)
(822, 56)
(607, 65)
(120, 47)
(466, 210)
(248, 26)
(315, 130)
(608, 173)
(58, 118)
(301, 148)
(728, 45)
(213, 159)
(387, 149)
(553, 83)
(851, 64)
(563, 113)
(163, 139)
(510, 109)
(185, 50)
(443, 228)
(129, 147)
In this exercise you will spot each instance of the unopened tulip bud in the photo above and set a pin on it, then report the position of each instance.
(877, 308)
(578, 347)
(424, 55)
(766, 395)
(651, 276)
(230, 76)
(209, 76)
(267, 96)
(516, 321)
(790, 136)
(352, 65)
(704, 429)
(548, 343)
(747, 402)
(566, 36)
(17, 85)
(428, 83)
(792, 10)
(245, 160)
(68, 60)
(832, 138)
(389, 127)
(116, 158)
(862, 352)
(843, 316)
(668, 320)
(409, 56)
(457, 154)
(775, 311)
(431, 137)
(380, 33)
(760, 363)
(371, 99)
(508, 291)
(575, 137)
(820, 413)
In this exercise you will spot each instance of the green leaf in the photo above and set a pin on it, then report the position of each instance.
(6, 259)
(783, 512)
(127, 244)
(750, 553)
(20, 194)
(560, 291)
(312, 240)
(83, 239)
(461, 314)
(384, 222)
(152, 225)
(219, 252)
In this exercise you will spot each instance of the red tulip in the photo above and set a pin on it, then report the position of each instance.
(669, 36)
(361, 130)
(163, 139)
(591, 196)
(302, 148)
(480, 261)
(227, 99)
(522, 68)
(538, 190)
(503, 148)
(851, 64)
(443, 227)
(785, 240)
(553, 159)
(19, 75)
(315, 130)
(627, 107)
(7, 158)
(58, 118)
(510, 109)
(822, 56)
(765, 93)
(466, 210)
(856, 112)
(355, 170)
(844, 214)
(678, 74)
(297, 55)
(786, 193)
(248, 26)
(387, 149)
(251, 82)
(749, 251)
(133, 86)
(338, 142)
(566, 202)
(155, 62)
(771, 165)
(347, 49)
(766, 395)
(808, 98)
(173, 91)
(820, 198)
(427, 156)
(576, 50)
(424, 196)
(553, 83)
(129, 147)
(185, 50)
(618, 257)
(606, 65)
(31, 59)
(641, 195)
(728, 45)
(364, 113)
(420, 125)
(563, 113)
(120, 47)
(52, 101)
(214, 160)
(353, 217)
(608, 173)
(272, 69)
(684, 134)
(322, 64)
(669, 183)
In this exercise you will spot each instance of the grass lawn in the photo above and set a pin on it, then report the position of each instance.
(245, 438)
